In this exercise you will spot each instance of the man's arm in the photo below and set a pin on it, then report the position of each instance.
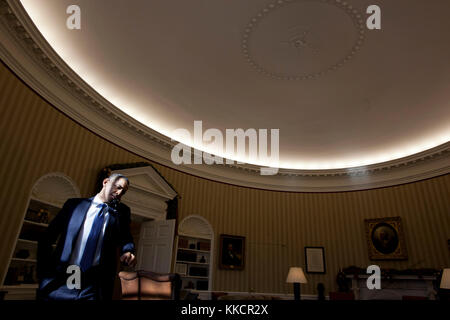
(126, 243)
(45, 265)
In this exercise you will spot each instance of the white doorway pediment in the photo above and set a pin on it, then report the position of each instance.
(148, 193)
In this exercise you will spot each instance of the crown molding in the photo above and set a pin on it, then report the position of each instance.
(33, 60)
(55, 188)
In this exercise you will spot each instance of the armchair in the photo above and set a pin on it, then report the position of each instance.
(148, 285)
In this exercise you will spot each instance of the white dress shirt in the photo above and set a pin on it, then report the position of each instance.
(83, 235)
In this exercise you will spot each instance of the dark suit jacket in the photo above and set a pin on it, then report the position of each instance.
(52, 264)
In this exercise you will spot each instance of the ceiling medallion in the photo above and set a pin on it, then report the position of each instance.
(283, 40)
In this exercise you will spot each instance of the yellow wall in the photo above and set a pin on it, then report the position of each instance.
(37, 139)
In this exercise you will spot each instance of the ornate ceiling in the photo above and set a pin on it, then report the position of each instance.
(356, 108)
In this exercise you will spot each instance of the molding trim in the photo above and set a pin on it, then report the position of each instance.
(55, 188)
(196, 226)
(29, 55)
(148, 192)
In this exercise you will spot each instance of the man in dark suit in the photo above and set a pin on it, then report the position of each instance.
(90, 232)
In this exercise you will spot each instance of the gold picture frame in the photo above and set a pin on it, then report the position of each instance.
(385, 239)
(232, 252)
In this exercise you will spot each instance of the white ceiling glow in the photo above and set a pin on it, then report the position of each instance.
(342, 96)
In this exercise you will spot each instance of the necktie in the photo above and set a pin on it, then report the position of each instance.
(91, 243)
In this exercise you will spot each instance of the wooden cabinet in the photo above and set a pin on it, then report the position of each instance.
(193, 258)
(194, 253)
(22, 266)
(46, 200)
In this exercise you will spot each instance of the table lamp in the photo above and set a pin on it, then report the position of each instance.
(296, 276)
(445, 281)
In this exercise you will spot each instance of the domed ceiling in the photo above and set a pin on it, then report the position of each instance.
(342, 95)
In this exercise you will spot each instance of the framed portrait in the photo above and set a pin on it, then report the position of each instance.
(232, 252)
(315, 259)
(385, 239)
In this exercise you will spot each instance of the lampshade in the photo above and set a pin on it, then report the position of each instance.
(296, 275)
(445, 281)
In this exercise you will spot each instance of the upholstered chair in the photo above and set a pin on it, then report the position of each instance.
(148, 285)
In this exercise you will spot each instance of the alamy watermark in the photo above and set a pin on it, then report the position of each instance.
(373, 22)
(374, 280)
(73, 22)
(74, 280)
(255, 151)
(257, 140)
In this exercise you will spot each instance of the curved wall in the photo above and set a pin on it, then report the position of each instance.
(37, 139)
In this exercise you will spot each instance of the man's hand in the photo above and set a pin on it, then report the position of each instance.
(129, 259)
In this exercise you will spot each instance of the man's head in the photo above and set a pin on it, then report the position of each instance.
(114, 187)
